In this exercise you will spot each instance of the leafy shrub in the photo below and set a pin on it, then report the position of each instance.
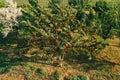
(108, 16)
(67, 29)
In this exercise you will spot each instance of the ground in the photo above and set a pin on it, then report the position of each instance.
(106, 67)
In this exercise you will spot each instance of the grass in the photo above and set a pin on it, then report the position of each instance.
(2, 3)
(106, 68)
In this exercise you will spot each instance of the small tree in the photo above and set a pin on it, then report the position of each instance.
(61, 30)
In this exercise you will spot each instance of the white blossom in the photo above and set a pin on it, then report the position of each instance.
(8, 17)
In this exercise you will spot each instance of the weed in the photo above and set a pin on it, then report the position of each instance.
(57, 75)
(41, 71)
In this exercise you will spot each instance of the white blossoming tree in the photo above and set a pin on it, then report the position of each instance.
(8, 17)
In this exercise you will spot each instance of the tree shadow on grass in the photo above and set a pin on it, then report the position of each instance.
(7, 61)
(87, 65)
(97, 65)
(11, 53)
(8, 57)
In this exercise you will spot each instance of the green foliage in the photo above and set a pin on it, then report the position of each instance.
(2, 3)
(41, 71)
(102, 6)
(80, 78)
(79, 4)
(54, 5)
(56, 1)
(57, 30)
(57, 75)
(108, 17)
